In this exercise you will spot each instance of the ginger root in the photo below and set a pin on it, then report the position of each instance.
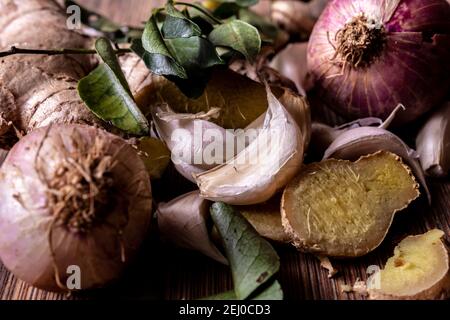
(39, 90)
(266, 219)
(344, 209)
(419, 269)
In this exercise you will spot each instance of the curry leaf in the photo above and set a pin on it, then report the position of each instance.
(108, 55)
(264, 25)
(154, 52)
(177, 25)
(194, 53)
(105, 96)
(273, 292)
(239, 36)
(252, 259)
(106, 93)
(241, 3)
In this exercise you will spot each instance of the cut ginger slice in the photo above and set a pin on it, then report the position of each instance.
(266, 219)
(419, 269)
(341, 208)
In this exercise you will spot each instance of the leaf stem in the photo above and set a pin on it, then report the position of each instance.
(202, 10)
(51, 52)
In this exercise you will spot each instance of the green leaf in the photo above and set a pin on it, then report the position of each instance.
(239, 36)
(154, 52)
(252, 259)
(177, 25)
(104, 94)
(273, 292)
(193, 53)
(226, 10)
(241, 3)
(261, 23)
(107, 53)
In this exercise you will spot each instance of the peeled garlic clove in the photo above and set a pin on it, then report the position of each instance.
(433, 143)
(357, 142)
(264, 167)
(183, 222)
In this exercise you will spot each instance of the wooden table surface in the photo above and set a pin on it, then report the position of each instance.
(164, 272)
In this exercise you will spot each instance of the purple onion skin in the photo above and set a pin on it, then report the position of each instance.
(413, 68)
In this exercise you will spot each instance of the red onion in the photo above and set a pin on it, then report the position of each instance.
(72, 195)
(367, 56)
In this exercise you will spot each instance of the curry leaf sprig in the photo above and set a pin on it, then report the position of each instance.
(183, 44)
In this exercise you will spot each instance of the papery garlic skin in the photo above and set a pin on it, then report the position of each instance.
(264, 167)
(433, 143)
(182, 222)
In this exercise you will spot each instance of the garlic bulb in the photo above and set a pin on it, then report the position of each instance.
(433, 143)
(266, 165)
(183, 222)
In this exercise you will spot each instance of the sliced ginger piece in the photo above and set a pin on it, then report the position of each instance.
(419, 269)
(240, 99)
(344, 209)
(266, 219)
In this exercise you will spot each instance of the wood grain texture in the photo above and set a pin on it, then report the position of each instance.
(164, 272)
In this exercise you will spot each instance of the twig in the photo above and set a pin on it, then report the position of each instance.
(53, 52)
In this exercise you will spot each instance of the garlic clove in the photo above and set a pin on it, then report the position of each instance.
(179, 132)
(291, 63)
(264, 167)
(183, 222)
(188, 135)
(433, 143)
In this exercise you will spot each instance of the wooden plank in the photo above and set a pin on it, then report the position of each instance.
(165, 272)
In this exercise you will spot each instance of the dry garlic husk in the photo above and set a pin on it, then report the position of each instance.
(183, 222)
(433, 143)
(266, 219)
(267, 164)
(419, 270)
(341, 208)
